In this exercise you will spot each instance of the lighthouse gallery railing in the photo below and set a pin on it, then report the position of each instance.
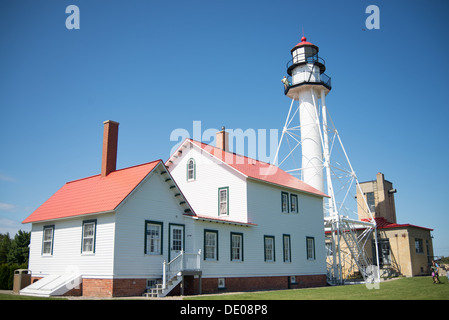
(309, 77)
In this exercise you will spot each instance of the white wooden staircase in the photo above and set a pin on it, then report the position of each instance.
(174, 272)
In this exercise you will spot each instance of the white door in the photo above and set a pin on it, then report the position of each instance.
(176, 240)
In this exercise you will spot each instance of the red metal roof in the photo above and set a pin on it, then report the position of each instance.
(382, 223)
(93, 194)
(259, 170)
(304, 42)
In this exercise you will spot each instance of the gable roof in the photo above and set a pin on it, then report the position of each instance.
(255, 169)
(92, 194)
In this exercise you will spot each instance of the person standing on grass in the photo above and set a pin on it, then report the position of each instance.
(435, 270)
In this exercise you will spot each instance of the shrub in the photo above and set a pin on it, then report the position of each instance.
(7, 275)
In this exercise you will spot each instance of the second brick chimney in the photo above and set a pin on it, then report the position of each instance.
(221, 139)
(110, 141)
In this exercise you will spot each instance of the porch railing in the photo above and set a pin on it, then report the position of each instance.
(182, 262)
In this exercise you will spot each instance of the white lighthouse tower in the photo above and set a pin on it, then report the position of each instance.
(307, 84)
(318, 145)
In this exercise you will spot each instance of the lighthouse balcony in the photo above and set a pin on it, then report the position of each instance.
(306, 78)
(302, 58)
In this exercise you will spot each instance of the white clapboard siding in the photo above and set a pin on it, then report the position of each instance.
(210, 175)
(258, 203)
(264, 208)
(153, 201)
(67, 256)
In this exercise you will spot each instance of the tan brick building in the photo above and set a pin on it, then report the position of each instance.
(404, 249)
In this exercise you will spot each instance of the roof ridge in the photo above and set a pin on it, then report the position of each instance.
(236, 154)
(99, 174)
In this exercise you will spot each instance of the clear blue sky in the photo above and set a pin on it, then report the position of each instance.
(155, 66)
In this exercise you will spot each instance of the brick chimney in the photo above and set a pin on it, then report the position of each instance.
(222, 139)
(110, 140)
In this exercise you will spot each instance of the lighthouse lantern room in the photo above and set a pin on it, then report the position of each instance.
(305, 68)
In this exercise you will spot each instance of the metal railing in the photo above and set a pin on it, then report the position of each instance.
(309, 77)
(301, 58)
(182, 262)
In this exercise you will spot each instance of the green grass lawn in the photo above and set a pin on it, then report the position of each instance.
(19, 297)
(417, 288)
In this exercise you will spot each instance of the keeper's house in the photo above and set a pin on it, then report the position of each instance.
(205, 221)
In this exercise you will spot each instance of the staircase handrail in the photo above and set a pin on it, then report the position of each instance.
(183, 261)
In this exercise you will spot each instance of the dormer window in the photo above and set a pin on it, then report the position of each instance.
(191, 174)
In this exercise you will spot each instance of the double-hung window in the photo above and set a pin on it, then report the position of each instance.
(286, 248)
(223, 201)
(236, 246)
(269, 248)
(153, 237)
(210, 245)
(47, 240)
(284, 201)
(89, 230)
(310, 248)
(294, 203)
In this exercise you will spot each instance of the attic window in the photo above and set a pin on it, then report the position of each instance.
(191, 174)
(223, 201)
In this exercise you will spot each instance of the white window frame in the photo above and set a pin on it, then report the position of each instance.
(211, 245)
(191, 170)
(286, 247)
(47, 242)
(153, 241)
(86, 237)
(310, 247)
(236, 246)
(223, 201)
(294, 203)
(284, 202)
(268, 244)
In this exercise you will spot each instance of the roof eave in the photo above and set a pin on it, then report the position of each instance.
(68, 217)
(224, 221)
(321, 195)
